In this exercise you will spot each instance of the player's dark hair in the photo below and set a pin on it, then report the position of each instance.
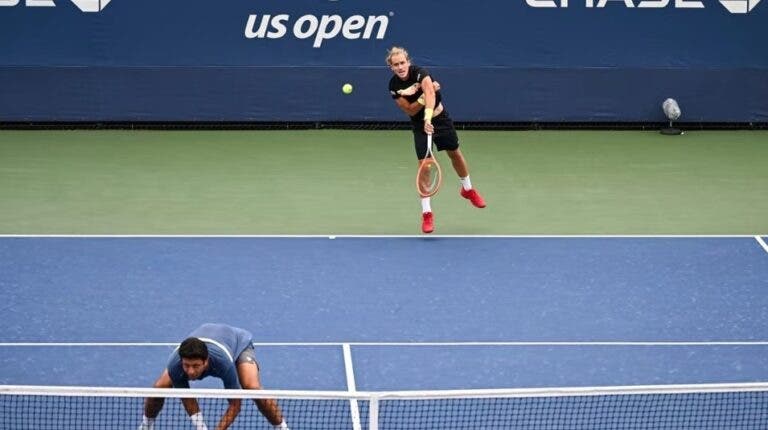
(193, 348)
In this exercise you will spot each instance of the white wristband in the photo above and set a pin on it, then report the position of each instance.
(282, 426)
(198, 421)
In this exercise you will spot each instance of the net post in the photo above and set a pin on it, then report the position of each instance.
(373, 412)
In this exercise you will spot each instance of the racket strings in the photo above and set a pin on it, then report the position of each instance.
(429, 177)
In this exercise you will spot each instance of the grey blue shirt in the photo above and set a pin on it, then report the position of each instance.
(225, 343)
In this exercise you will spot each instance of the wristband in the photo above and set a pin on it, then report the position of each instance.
(428, 114)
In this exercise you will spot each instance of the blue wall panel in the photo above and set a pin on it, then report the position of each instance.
(313, 94)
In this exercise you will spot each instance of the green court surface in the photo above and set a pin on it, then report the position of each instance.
(340, 182)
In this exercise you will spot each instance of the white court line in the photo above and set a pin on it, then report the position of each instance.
(351, 386)
(762, 243)
(416, 344)
(385, 236)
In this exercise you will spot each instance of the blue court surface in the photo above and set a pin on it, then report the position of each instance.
(415, 313)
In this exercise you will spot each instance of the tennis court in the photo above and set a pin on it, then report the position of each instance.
(604, 259)
(593, 254)
(392, 313)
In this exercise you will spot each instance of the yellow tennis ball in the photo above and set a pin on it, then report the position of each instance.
(347, 89)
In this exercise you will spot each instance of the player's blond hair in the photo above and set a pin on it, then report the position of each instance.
(395, 50)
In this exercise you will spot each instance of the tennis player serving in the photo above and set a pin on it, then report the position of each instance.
(418, 95)
(217, 350)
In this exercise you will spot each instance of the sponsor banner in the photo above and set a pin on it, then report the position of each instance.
(514, 33)
(278, 60)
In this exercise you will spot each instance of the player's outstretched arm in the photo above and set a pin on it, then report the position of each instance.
(429, 90)
(421, 99)
(429, 103)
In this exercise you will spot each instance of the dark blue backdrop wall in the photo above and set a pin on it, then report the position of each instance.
(277, 60)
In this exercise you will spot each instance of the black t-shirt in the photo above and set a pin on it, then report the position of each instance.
(415, 74)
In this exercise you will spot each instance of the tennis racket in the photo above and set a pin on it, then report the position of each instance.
(429, 176)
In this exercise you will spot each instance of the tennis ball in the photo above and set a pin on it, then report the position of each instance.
(346, 89)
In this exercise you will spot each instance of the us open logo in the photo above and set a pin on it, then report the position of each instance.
(83, 5)
(317, 28)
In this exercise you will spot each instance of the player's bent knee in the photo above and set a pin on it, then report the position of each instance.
(251, 386)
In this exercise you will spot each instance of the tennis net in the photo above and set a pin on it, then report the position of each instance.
(702, 406)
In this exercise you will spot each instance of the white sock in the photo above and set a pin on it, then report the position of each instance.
(425, 204)
(147, 423)
(198, 421)
(466, 183)
(282, 426)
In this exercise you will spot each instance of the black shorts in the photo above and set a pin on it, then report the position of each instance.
(445, 137)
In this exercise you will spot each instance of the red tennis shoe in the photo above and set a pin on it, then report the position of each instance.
(474, 197)
(427, 222)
